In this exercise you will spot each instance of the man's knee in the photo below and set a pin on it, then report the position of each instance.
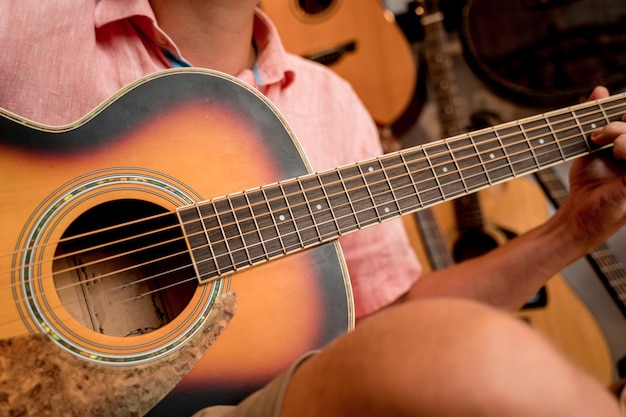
(448, 356)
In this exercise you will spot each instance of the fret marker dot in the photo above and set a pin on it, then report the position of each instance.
(542, 141)
(281, 217)
(445, 169)
(593, 125)
(370, 169)
(387, 210)
(491, 156)
(319, 207)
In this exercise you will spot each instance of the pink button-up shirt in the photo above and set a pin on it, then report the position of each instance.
(60, 59)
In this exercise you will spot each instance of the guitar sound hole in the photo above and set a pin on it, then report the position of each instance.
(124, 280)
(313, 7)
(473, 243)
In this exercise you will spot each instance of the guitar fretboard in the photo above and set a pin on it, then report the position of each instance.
(240, 230)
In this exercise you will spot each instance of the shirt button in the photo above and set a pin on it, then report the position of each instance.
(161, 40)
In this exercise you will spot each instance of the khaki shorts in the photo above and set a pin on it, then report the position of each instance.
(265, 402)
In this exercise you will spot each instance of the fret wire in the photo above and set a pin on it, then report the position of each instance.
(556, 139)
(458, 168)
(481, 159)
(413, 184)
(506, 156)
(330, 208)
(209, 246)
(384, 188)
(339, 199)
(606, 117)
(367, 206)
(384, 170)
(532, 149)
(477, 153)
(401, 182)
(434, 173)
(269, 232)
(273, 218)
(350, 202)
(248, 232)
(581, 130)
(287, 222)
(590, 120)
(222, 231)
(320, 206)
(369, 191)
(241, 235)
(256, 225)
(431, 168)
(291, 216)
(307, 205)
(211, 264)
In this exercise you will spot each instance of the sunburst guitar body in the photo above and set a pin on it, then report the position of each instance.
(97, 271)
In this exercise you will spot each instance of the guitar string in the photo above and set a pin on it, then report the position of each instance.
(132, 237)
(298, 247)
(495, 139)
(473, 145)
(422, 204)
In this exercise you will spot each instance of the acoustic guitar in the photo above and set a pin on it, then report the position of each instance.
(511, 209)
(358, 39)
(124, 232)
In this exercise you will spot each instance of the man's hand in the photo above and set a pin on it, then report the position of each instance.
(596, 207)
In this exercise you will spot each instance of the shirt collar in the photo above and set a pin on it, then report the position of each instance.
(109, 11)
(272, 62)
(272, 65)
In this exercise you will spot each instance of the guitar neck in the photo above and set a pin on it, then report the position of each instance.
(451, 112)
(240, 230)
(435, 246)
(603, 258)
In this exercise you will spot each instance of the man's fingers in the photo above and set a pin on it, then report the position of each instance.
(599, 92)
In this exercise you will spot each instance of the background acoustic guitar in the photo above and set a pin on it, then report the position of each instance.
(469, 229)
(360, 40)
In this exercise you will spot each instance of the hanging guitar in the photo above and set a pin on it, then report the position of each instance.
(546, 52)
(358, 39)
(122, 231)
